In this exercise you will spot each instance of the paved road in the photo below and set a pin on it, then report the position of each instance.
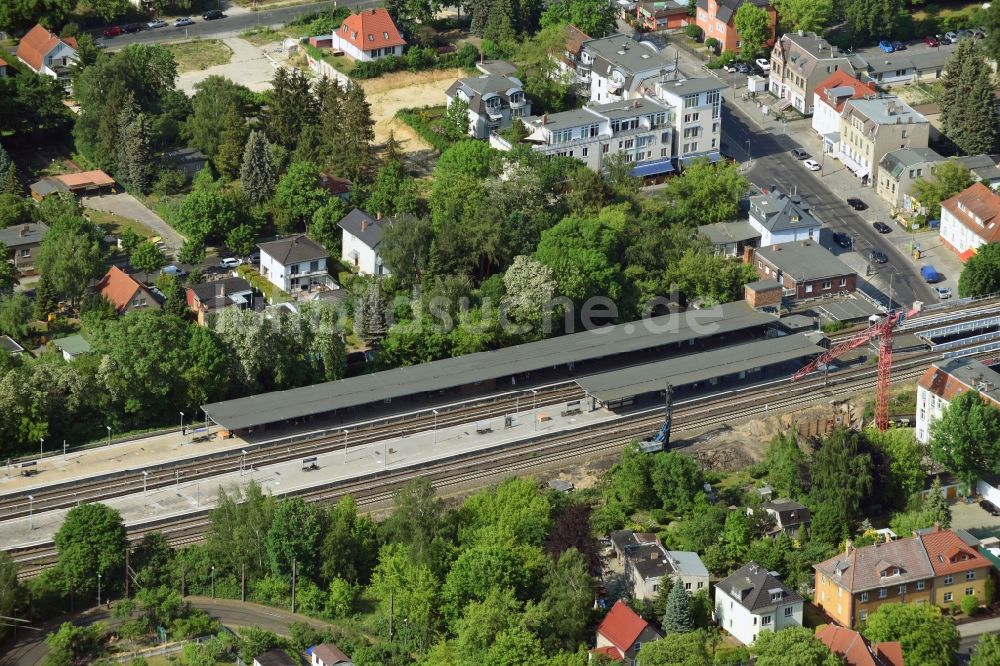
(32, 650)
(237, 20)
(129, 207)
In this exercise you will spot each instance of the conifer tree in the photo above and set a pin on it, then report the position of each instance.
(968, 109)
(257, 174)
(352, 147)
(678, 619)
(232, 143)
(124, 119)
(9, 183)
(392, 151)
(136, 157)
(937, 504)
(45, 298)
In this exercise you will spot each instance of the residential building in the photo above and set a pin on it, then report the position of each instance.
(22, 242)
(697, 115)
(328, 654)
(645, 562)
(752, 599)
(337, 186)
(188, 161)
(619, 66)
(571, 61)
(960, 570)
(296, 263)
(657, 15)
(908, 66)
(3, 68)
(502, 67)
(969, 219)
(641, 130)
(46, 54)
(870, 128)
(800, 62)
(274, 657)
(80, 184)
(493, 101)
(362, 235)
(898, 170)
(72, 347)
(855, 650)
(805, 269)
(126, 293)
(855, 583)
(10, 346)
(729, 239)
(717, 20)
(828, 101)
(371, 34)
(622, 633)
(778, 218)
(207, 298)
(786, 516)
(984, 168)
(945, 379)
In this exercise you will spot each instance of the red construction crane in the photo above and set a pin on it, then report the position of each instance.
(883, 331)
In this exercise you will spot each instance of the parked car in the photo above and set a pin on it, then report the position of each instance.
(156, 23)
(931, 40)
(882, 227)
(962, 34)
(132, 27)
(254, 258)
(112, 31)
(951, 36)
(799, 154)
(742, 67)
(841, 239)
(976, 33)
(213, 14)
(878, 256)
(989, 507)
(856, 203)
(898, 46)
(230, 262)
(763, 63)
(730, 67)
(942, 40)
(174, 270)
(812, 165)
(183, 21)
(885, 45)
(943, 292)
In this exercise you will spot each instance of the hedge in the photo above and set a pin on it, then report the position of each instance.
(426, 123)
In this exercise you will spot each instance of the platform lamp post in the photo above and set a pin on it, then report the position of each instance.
(534, 407)
(109, 434)
(243, 460)
(31, 512)
(345, 445)
(145, 476)
(213, 581)
(41, 447)
(98, 589)
(435, 428)
(183, 431)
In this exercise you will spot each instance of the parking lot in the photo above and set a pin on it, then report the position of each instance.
(970, 517)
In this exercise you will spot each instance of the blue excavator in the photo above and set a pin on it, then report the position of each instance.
(661, 440)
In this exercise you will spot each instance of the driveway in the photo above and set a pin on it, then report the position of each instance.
(250, 66)
(128, 206)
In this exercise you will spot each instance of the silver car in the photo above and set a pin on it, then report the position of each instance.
(943, 292)
(156, 23)
(183, 21)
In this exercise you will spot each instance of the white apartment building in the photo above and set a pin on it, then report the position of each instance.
(970, 219)
(946, 379)
(697, 104)
(752, 600)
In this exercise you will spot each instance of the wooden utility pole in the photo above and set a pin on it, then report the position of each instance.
(243, 582)
(293, 585)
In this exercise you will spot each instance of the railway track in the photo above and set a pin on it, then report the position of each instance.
(540, 451)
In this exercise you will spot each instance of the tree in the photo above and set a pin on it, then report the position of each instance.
(207, 214)
(966, 439)
(676, 480)
(947, 179)
(148, 258)
(413, 589)
(291, 106)
(257, 173)
(867, 20)
(32, 103)
(906, 469)
(593, 17)
(232, 144)
(15, 316)
(369, 316)
(572, 530)
(987, 651)
(73, 644)
(8, 274)
(737, 535)
(841, 477)
(936, 504)
(792, 646)
(676, 649)
(630, 481)
(928, 637)
(981, 273)
(14, 210)
(405, 249)
(217, 106)
(678, 618)
(704, 193)
(10, 590)
(785, 464)
(514, 509)
(566, 602)
(135, 155)
(753, 24)
(351, 135)
(70, 256)
(90, 541)
(192, 251)
(968, 117)
(582, 253)
(394, 192)
(298, 196)
(294, 536)
(805, 15)
(456, 120)
(530, 285)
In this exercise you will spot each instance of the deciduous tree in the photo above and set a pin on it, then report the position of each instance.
(294, 536)
(928, 637)
(868, 20)
(966, 439)
(676, 480)
(298, 196)
(216, 106)
(148, 258)
(805, 15)
(987, 651)
(70, 256)
(754, 27)
(981, 273)
(947, 179)
(456, 120)
(593, 17)
(405, 249)
(90, 541)
(792, 645)
(676, 649)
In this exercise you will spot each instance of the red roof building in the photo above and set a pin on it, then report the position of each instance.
(855, 650)
(125, 292)
(369, 35)
(969, 219)
(46, 54)
(622, 632)
(829, 99)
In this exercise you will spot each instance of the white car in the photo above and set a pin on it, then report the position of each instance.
(943, 292)
(764, 64)
(183, 21)
(729, 68)
(156, 23)
(176, 271)
(230, 262)
(812, 165)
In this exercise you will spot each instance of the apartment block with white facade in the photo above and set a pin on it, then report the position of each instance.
(620, 68)
(493, 101)
(970, 219)
(946, 379)
(780, 218)
(752, 600)
(697, 104)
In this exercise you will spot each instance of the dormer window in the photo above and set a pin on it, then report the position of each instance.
(371, 38)
(776, 596)
(385, 35)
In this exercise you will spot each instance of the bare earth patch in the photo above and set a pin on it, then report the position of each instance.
(200, 54)
(399, 90)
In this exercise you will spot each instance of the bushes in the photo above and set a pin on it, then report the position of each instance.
(724, 58)
(693, 31)
(417, 59)
(426, 122)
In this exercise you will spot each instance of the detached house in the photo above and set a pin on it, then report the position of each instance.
(779, 218)
(362, 235)
(829, 98)
(292, 264)
(657, 15)
(646, 562)
(328, 654)
(208, 298)
(368, 35)
(493, 101)
(46, 54)
(800, 62)
(622, 633)
(786, 516)
(22, 242)
(717, 19)
(969, 219)
(855, 650)
(125, 292)
(752, 600)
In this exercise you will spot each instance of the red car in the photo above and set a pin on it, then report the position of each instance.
(930, 40)
(113, 31)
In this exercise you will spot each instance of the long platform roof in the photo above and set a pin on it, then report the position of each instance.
(692, 368)
(483, 366)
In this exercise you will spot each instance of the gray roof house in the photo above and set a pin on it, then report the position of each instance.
(361, 236)
(786, 516)
(9, 345)
(646, 562)
(729, 238)
(72, 346)
(779, 218)
(983, 167)
(898, 169)
(805, 269)
(22, 242)
(909, 66)
(494, 102)
(753, 599)
(296, 263)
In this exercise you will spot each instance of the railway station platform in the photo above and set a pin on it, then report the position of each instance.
(289, 476)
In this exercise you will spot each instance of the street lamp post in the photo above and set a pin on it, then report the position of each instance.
(145, 476)
(213, 581)
(41, 447)
(98, 589)
(749, 156)
(109, 434)
(183, 431)
(345, 445)
(31, 511)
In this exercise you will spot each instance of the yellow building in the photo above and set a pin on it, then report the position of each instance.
(959, 569)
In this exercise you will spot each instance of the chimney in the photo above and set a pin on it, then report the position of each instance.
(848, 547)
(545, 119)
(23, 231)
(364, 224)
(936, 527)
(222, 290)
(373, 12)
(653, 555)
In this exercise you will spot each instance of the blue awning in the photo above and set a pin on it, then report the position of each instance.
(712, 157)
(653, 168)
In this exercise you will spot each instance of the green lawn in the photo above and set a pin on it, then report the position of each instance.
(199, 54)
(115, 224)
(262, 36)
(939, 12)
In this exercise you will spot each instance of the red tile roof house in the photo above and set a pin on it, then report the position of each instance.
(622, 632)
(125, 292)
(854, 650)
(969, 219)
(46, 54)
(369, 35)
(829, 98)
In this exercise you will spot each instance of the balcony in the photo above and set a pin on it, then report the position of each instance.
(517, 102)
(494, 112)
